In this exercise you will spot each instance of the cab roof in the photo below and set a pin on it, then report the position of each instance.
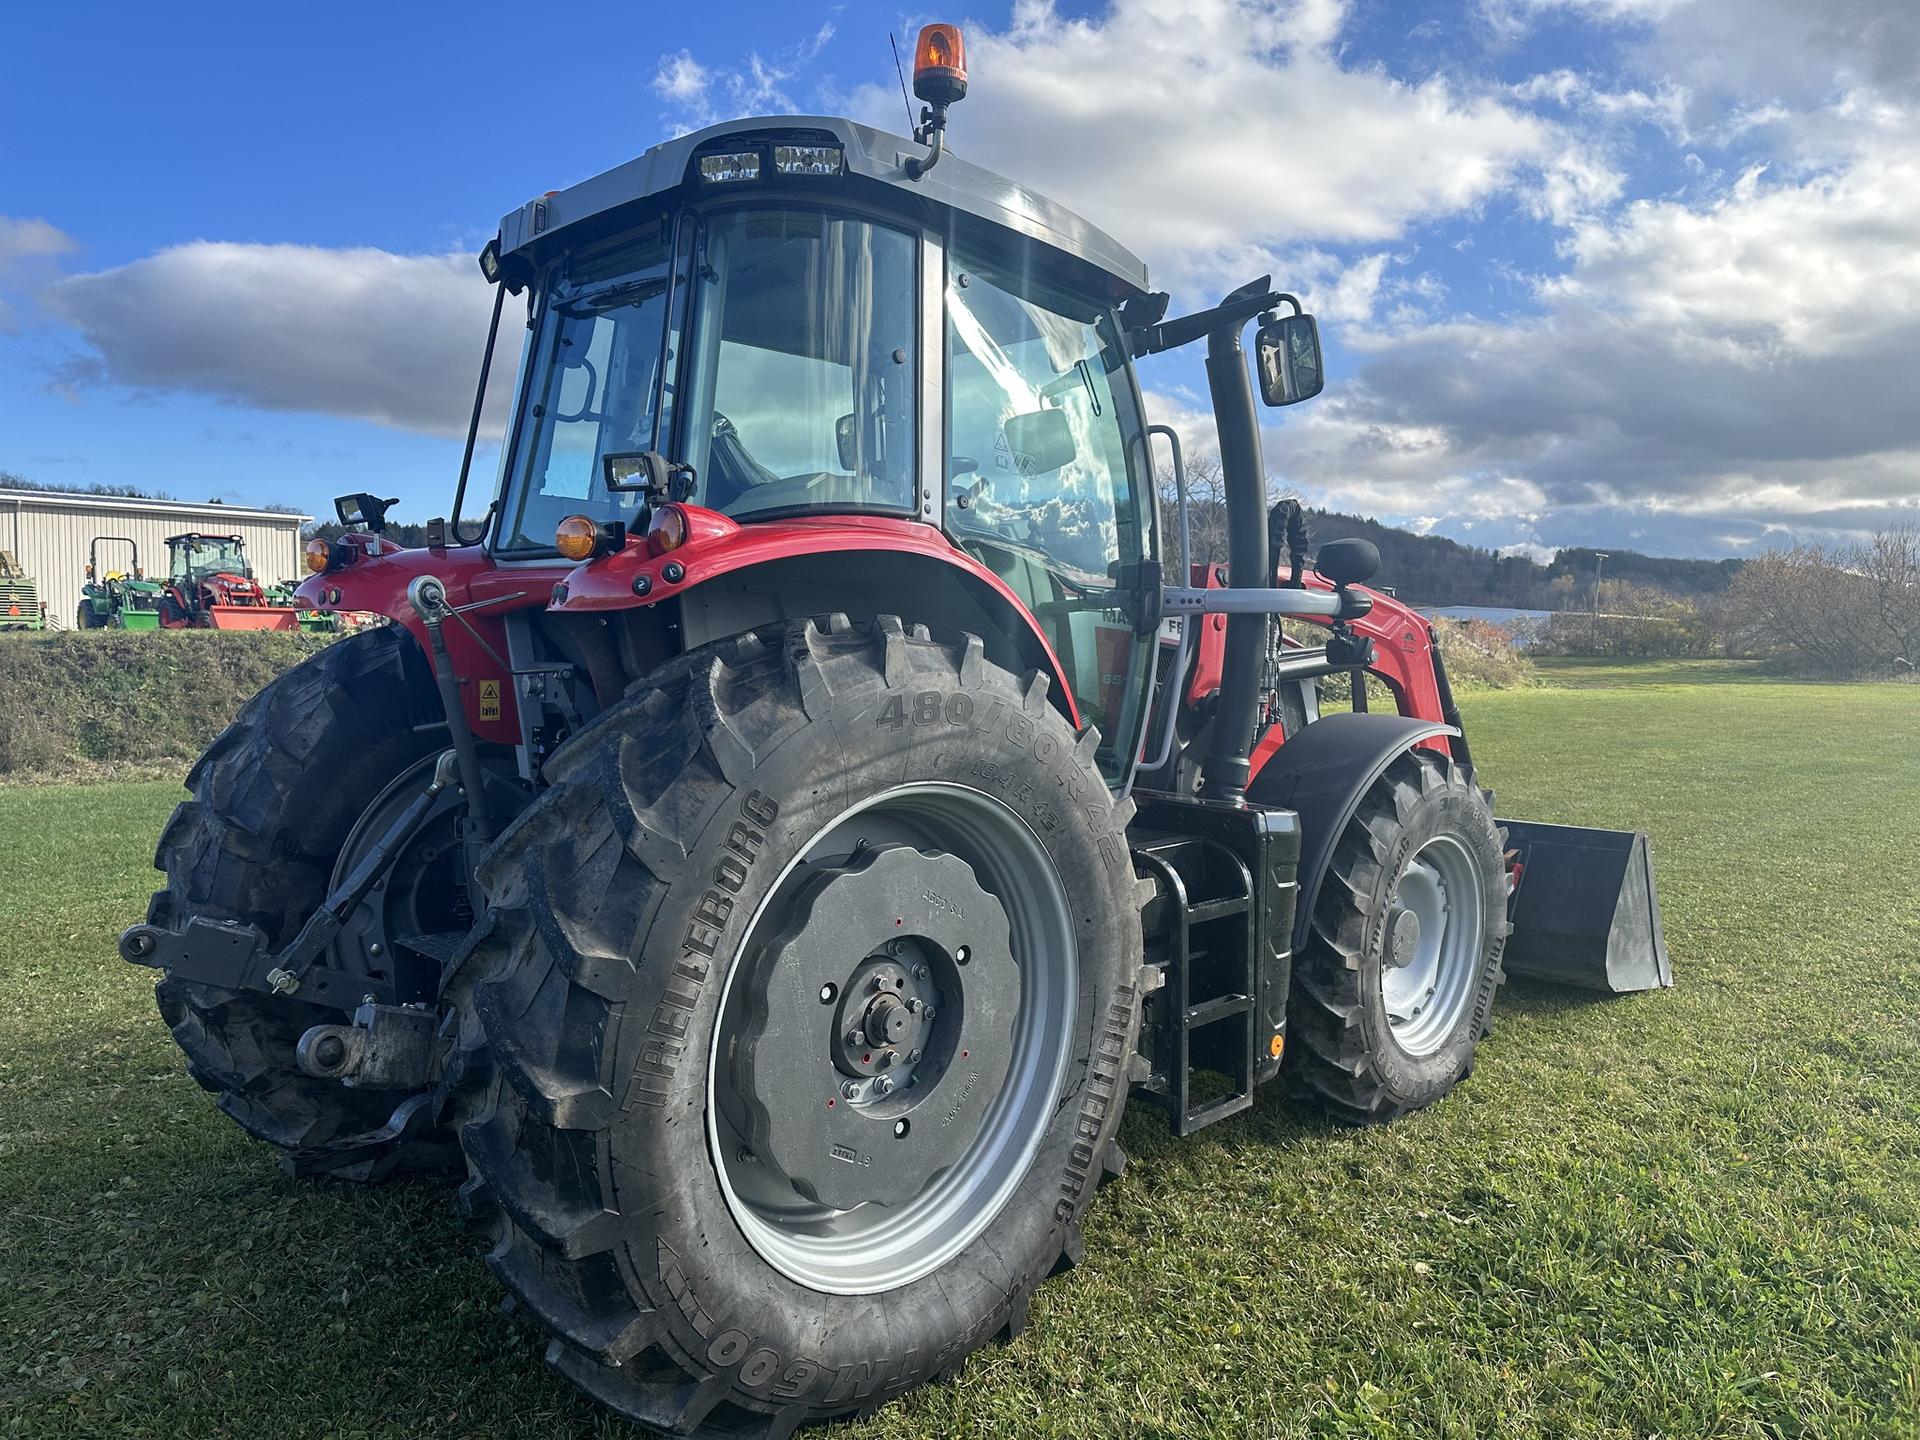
(874, 157)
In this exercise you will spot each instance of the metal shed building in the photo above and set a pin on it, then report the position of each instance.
(49, 531)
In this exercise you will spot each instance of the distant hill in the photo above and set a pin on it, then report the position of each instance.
(1433, 570)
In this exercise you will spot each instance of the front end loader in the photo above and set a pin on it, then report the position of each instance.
(774, 841)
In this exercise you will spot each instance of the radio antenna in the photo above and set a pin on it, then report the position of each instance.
(900, 70)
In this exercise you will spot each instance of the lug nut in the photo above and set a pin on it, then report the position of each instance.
(913, 1005)
(962, 955)
(887, 1057)
(884, 1084)
(920, 972)
(912, 1055)
(851, 1090)
(853, 1037)
(927, 1014)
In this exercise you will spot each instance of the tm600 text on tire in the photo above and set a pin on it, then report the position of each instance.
(274, 800)
(802, 1025)
(1394, 986)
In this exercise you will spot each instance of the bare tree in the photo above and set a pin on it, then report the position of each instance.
(1891, 561)
(1846, 611)
(1206, 512)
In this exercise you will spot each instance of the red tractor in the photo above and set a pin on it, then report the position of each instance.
(210, 586)
(769, 848)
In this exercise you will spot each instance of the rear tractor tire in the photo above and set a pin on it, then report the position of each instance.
(799, 1025)
(274, 799)
(1395, 984)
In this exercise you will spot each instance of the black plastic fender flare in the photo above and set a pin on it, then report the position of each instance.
(1321, 774)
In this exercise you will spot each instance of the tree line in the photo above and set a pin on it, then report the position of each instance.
(1434, 570)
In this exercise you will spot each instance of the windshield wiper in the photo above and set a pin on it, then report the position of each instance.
(624, 292)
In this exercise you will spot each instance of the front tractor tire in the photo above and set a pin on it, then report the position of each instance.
(1394, 986)
(273, 800)
(800, 1025)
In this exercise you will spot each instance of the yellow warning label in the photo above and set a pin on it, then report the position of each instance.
(489, 699)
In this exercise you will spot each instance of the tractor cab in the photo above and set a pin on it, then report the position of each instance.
(804, 335)
(193, 558)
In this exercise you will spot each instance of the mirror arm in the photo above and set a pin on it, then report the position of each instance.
(473, 422)
(1238, 308)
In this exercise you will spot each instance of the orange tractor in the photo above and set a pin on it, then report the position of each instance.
(210, 586)
(770, 847)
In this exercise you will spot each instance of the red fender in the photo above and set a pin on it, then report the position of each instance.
(378, 582)
(716, 545)
(1403, 658)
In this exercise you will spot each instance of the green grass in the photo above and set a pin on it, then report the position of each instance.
(1680, 1215)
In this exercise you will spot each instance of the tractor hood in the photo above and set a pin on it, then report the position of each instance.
(874, 166)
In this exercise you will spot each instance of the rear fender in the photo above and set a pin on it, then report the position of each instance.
(732, 578)
(379, 584)
(1322, 774)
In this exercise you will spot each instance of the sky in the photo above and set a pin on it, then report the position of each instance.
(1630, 273)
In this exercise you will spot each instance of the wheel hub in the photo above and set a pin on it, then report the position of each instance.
(884, 1030)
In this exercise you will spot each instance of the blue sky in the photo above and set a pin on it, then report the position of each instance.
(1630, 272)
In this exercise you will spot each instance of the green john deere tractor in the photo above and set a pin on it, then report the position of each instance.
(120, 599)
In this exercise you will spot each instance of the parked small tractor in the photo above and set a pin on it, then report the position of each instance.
(772, 844)
(20, 604)
(118, 599)
(210, 586)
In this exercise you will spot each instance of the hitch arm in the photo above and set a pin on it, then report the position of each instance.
(236, 957)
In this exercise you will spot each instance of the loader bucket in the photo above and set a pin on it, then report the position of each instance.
(252, 617)
(139, 619)
(1584, 909)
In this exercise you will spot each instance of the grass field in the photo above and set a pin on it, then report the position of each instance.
(1689, 1214)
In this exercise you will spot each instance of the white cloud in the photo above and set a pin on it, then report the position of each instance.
(682, 79)
(1213, 135)
(32, 238)
(28, 249)
(394, 339)
(1744, 357)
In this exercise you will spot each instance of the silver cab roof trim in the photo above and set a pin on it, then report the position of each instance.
(873, 154)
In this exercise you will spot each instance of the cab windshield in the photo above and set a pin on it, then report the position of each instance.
(799, 370)
(197, 556)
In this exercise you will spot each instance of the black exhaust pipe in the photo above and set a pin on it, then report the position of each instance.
(1224, 775)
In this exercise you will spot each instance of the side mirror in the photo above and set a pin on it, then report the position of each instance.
(646, 472)
(1348, 562)
(846, 439)
(1039, 441)
(1288, 350)
(634, 470)
(361, 511)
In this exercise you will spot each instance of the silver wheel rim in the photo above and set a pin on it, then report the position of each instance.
(871, 1247)
(1425, 996)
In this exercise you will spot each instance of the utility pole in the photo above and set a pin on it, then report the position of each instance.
(1599, 559)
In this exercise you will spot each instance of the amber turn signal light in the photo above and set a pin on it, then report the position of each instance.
(318, 553)
(576, 537)
(668, 529)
